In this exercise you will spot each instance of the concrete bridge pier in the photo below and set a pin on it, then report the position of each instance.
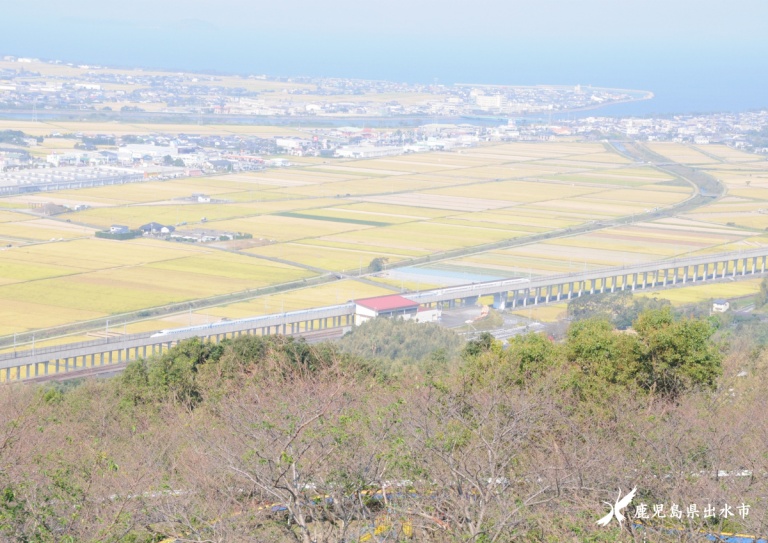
(470, 300)
(500, 301)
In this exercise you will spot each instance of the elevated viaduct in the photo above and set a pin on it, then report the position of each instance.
(510, 293)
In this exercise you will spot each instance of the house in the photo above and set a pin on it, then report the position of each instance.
(280, 162)
(219, 164)
(118, 229)
(368, 151)
(202, 235)
(156, 228)
(385, 306)
(291, 143)
(720, 305)
(429, 314)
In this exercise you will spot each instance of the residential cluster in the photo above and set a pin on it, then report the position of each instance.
(747, 130)
(26, 164)
(132, 92)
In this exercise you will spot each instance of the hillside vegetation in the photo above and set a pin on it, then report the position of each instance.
(395, 343)
(270, 439)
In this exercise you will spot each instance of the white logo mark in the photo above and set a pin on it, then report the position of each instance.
(617, 507)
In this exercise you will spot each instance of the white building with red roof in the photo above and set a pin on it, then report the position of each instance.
(393, 306)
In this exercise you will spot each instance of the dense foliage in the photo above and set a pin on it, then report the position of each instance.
(620, 308)
(489, 442)
(396, 342)
(15, 137)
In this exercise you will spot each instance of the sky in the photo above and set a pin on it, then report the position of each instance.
(700, 55)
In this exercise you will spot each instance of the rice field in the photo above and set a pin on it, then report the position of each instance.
(684, 154)
(690, 295)
(327, 258)
(550, 313)
(726, 153)
(46, 285)
(632, 244)
(322, 216)
(336, 293)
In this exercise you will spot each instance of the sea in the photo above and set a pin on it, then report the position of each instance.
(704, 76)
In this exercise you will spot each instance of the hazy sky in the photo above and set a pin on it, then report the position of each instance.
(715, 52)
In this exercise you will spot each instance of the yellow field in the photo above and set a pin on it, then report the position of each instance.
(359, 246)
(338, 214)
(323, 257)
(700, 293)
(725, 152)
(147, 192)
(550, 313)
(406, 286)
(645, 197)
(336, 293)
(43, 286)
(683, 154)
(517, 191)
(425, 236)
(644, 242)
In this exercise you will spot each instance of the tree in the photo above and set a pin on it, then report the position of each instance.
(668, 355)
(305, 441)
(407, 342)
(601, 355)
(762, 296)
(479, 345)
(620, 308)
(168, 160)
(679, 354)
(377, 264)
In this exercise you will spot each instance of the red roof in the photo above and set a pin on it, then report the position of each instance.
(387, 303)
